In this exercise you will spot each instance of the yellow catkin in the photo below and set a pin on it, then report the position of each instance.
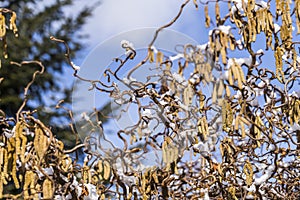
(170, 155)
(1, 188)
(201, 100)
(11, 155)
(230, 76)
(3, 174)
(237, 123)
(234, 71)
(207, 73)
(214, 94)
(220, 90)
(47, 189)
(288, 12)
(238, 74)
(2, 26)
(223, 39)
(286, 27)
(297, 111)
(257, 132)
(251, 21)
(227, 89)
(21, 141)
(294, 55)
(40, 142)
(278, 61)
(204, 126)
(200, 127)
(4, 166)
(246, 36)
(278, 8)
(207, 17)
(253, 24)
(270, 23)
(2, 156)
(222, 149)
(33, 189)
(291, 112)
(224, 113)
(231, 193)
(294, 112)
(86, 175)
(297, 12)
(29, 184)
(100, 166)
(226, 40)
(106, 170)
(164, 150)
(14, 171)
(188, 94)
(241, 73)
(18, 132)
(258, 123)
(250, 5)
(242, 129)
(259, 20)
(248, 171)
(12, 24)
(159, 57)
(227, 116)
(217, 10)
(211, 42)
(151, 56)
(23, 148)
(155, 178)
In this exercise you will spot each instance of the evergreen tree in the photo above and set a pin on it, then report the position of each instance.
(36, 22)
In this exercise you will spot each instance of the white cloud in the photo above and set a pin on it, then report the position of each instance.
(115, 16)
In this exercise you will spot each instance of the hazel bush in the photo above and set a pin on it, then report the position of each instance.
(243, 138)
